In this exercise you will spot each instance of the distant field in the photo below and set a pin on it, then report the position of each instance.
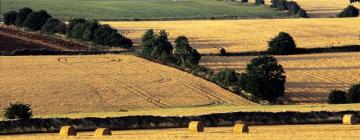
(276, 132)
(251, 35)
(103, 83)
(310, 77)
(321, 8)
(142, 9)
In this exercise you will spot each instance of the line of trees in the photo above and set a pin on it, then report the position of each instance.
(156, 46)
(81, 29)
(354, 1)
(291, 6)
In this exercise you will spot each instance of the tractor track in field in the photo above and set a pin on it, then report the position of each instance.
(202, 91)
(129, 87)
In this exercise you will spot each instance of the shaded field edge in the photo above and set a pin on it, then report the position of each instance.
(334, 49)
(53, 125)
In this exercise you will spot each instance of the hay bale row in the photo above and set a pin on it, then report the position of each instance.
(71, 131)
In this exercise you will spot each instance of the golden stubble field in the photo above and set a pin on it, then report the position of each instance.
(321, 8)
(310, 77)
(280, 132)
(103, 83)
(250, 35)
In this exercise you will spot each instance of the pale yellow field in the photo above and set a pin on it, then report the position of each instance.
(251, 35)
(103, 83)
(321, 8)
(309, 77)
(281, 132)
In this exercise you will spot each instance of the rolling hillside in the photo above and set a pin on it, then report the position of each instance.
(103, 83)
(253, 34)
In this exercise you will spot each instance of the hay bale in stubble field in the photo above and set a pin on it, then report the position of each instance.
(349, 119)
(241, 128)
(102, 132)
(68, 131)
(196, 126)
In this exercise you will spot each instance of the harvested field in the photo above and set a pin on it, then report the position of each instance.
(283, 132)
(103, 83)
(13, 39)
(251, 35)
(310, 77)
(321, 8)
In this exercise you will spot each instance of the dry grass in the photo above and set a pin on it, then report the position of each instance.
(103, 83)
(251, 35)
(309, 77)
(321, 8)
(281, 132)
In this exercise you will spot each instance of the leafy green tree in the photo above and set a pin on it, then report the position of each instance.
(22, 15)
(337, 97)
(226, 77)
(51, 26)
(353, 95)
(264, 78)
(36, 20)
(349, 11)
(89, 30)
(293, 7)
(10, 17)
(283, 43)
(18, 111)
(185, 53)
(148, 42)
(74, 28)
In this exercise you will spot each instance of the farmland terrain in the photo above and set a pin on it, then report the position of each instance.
(280, 132)
(80, 84)
(321, 8)
(310, 77)
(144, 9)
(14, 39)
(251, 35)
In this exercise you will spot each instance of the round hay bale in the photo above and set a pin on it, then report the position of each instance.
(349, 119)
(196, 126)
(241, 128)
(102, 132)
(67, 131)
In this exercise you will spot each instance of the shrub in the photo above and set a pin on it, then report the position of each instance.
(353, 95)
(302, 14)
(264, 78)
(22, 15)
(283, 43)
(89, 29)
(10, 18)
(162, 46)
(349, 11)
(186, 55)
(226, 77)
(337, 97)
(259, 2)
(18, 111)
(222, 52)
(75, 28)
(274, 3)
(281, 4)
(36, 20)
(148, 42)
(52, 26)
(293, 7)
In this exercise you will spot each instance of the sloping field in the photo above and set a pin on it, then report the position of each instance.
(251, 35)
(310, 77)
(143, 9)
(14, 39)
(103, 83)
(321, 8)
(279, 132)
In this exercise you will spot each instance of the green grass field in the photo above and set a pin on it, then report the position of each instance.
(142, 9)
